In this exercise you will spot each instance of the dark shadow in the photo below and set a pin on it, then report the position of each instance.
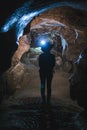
(7, 48)
(78, 81)
(30, 114)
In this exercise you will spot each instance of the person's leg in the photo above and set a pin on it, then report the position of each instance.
(43, 92)
(49, 81)
(42, 87)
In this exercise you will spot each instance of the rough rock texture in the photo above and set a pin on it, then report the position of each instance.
(22, 48)
(67, 28)
(67, 22)
(73, 18)
(78, 80)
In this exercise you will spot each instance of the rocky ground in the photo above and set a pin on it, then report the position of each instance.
(24, 111)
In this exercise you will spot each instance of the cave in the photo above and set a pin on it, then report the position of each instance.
(65, 24)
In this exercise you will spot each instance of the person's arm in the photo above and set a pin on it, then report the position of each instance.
(54, 61)
(39, 60)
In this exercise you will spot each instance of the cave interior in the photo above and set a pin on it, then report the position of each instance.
(66, 27)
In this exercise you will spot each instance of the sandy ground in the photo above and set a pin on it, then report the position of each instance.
(60, 87)
(23, 110)
(60, 90)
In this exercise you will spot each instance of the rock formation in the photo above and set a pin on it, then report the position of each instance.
(66, 27)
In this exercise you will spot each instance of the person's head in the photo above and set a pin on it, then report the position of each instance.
(47, 47)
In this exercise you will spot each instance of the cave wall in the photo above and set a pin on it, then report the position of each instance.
(66, 22)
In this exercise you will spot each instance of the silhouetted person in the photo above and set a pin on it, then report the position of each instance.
(46, 64)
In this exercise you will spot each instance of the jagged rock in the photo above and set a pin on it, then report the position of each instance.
(56, 22)
(66, 27)
(78, 80)
(22, 48)
(16, 77)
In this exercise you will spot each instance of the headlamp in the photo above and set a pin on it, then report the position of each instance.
(43, 42)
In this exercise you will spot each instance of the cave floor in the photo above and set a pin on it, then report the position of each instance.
(30, 114)
(24, 110)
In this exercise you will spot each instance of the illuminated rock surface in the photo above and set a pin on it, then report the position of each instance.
(21, 105)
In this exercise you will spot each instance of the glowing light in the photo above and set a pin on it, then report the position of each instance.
(43, 42)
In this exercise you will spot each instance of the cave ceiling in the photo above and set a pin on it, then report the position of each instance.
(55, 18)
(65, 22)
